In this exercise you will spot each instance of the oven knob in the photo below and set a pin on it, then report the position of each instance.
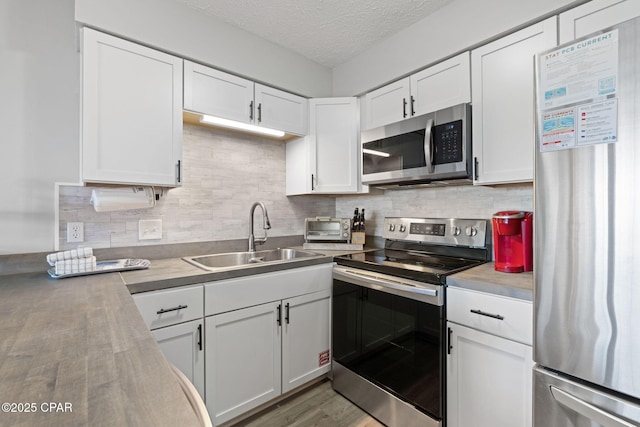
(455, 230)
(471, 231)
(392, 227)
(403, 228)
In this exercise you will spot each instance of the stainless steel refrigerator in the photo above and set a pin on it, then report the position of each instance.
(587, 232)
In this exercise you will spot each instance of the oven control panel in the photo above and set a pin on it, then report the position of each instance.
(443, 231)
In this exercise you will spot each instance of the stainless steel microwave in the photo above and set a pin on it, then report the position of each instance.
(433, 148)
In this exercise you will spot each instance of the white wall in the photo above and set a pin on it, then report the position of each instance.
(180, 30)
(454, 28)
(39, 94)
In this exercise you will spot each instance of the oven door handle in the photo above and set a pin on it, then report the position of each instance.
(374, 281)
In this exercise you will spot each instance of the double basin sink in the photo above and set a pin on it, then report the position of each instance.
(233, 260)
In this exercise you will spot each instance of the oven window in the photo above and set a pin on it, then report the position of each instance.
(394, 153)
(394, 342)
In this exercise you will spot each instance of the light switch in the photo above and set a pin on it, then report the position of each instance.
(150, 229)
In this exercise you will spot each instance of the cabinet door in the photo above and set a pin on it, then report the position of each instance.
(503, 96)
(183, 345)
(306, 338)
(389, 104)
(334, 145)
(131, 112)
(213, 92)
(594, 16)
(443, 85)
(488, 380)
(280, 110)
(243, 357)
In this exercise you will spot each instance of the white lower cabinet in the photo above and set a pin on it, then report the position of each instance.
(488, 375)
(257, 353)
(306, 338)
(183, 345)
(266, 334)
(176, 319)
(243, 360)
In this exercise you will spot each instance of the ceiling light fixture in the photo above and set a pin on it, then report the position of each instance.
(375, 152)
(212, 120)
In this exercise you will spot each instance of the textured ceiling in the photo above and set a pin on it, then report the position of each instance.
(328, 32)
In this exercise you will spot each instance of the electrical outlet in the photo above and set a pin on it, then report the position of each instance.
(150, 229)
(75, 232)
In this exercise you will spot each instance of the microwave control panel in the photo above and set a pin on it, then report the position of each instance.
(447, 140)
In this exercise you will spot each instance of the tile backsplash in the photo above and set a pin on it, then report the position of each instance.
(225, 172)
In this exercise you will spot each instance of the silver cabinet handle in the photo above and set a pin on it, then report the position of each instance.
(167, 310)
(588, 410)
(482, 313)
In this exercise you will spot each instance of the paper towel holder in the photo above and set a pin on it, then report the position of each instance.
(123, 198)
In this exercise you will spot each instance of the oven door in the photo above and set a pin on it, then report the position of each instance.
(390, 332)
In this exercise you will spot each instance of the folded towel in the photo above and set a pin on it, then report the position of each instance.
(67, 255)
(77, 265)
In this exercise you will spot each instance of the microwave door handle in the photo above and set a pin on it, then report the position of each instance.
(428, 146)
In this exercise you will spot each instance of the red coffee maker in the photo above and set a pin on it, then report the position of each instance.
(513, 241)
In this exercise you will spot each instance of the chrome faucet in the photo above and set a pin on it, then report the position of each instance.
(265, 225)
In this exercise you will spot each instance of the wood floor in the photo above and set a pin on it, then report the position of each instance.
(318, 406)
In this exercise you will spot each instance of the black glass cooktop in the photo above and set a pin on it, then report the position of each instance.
(425, 267)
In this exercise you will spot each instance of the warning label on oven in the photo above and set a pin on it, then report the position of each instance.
(324, 357)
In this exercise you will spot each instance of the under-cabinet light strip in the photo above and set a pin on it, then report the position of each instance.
(212, 120)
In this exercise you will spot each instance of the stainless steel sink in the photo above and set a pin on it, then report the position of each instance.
(231, 260)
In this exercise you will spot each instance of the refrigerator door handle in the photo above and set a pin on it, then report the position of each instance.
(588, 410)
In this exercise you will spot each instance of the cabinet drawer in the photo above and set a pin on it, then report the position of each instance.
(169, 307)
(481, 311)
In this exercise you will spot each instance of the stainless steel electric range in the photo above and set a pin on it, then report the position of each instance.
(389, 340)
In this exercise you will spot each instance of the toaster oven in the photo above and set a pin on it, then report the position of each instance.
(327, 229)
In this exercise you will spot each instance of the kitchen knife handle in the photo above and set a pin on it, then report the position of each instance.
(482, 313)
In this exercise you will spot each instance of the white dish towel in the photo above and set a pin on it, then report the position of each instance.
(73, 261)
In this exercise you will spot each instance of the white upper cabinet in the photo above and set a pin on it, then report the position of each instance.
(327, 161)
(281, 110)
(502, 81)
(594, 16)
(440, 86)
(131, 112)
(389, 104)
(216, 93)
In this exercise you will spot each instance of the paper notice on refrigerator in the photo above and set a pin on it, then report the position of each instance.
(558, 130)
(577, 89)
(597, 122)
